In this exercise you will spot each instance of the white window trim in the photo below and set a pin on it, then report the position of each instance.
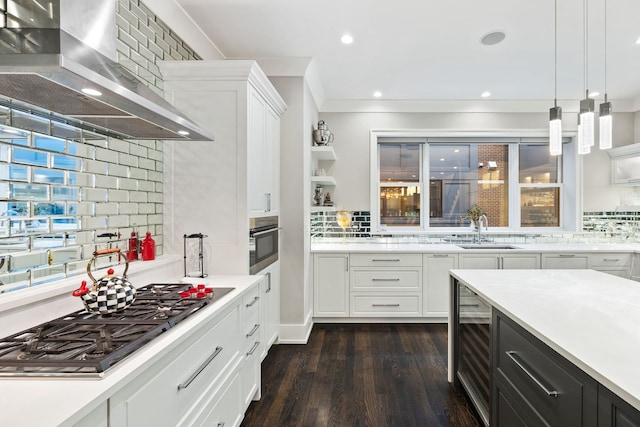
(514, 199)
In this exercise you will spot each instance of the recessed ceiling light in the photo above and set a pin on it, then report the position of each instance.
(485, 94)
(92, 92)
(377, 94)
(456, 150)
(183, 132)
(593, 94)
(346, 39)
(494, 37)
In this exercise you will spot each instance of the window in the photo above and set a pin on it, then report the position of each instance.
(422, 183)
(400, 184)
(539, 181)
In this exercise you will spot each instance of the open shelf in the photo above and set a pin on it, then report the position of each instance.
(323, 152)
(323, 180)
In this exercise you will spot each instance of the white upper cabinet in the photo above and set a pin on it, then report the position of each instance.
(625, 165)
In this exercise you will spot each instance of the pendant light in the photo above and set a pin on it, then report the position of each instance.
(555, 113)
(587, 105)
(606, 119)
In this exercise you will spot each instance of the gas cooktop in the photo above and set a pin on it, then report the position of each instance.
(88, 344)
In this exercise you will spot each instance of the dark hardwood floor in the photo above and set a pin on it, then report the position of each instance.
(361, 375)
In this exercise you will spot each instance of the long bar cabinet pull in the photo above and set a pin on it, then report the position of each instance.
(385, 280)
(268, 283)
(512, 356)
(440, 255)
(253, 330)
(611, 259)
(253, 349)
(200, 369)
(385, 260)
(567, 255)
(255, 300)
(385, 305)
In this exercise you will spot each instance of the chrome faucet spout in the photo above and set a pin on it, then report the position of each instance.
(481, 219)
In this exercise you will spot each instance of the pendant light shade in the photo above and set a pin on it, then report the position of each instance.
(583, 148)
(606, 119)
(587, 120)
(606, 125)
(555, 113)
(555, 131)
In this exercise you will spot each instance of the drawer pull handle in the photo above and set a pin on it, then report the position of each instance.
(253, 331)
(440, 255)
(385, 280)
(385, 305)
(512, 356)
(385, 260)
(611, 259)
(567, 255)
(469, 305)
(200, 369)
(253, 348)
(255, 300)
(221, 424)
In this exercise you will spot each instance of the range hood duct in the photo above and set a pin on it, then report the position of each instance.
(50, 51)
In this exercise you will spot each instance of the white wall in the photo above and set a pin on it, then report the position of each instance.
(351, 144)
(295, 143)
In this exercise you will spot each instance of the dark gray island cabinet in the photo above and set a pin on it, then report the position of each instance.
(530, 383)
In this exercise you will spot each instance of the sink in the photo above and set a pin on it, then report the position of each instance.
(487, 246)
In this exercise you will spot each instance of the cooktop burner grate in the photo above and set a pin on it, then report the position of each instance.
(87, 344)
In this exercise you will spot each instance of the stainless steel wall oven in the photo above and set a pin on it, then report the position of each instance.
(263, 243)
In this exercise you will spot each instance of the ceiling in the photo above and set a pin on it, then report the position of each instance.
(421, 51)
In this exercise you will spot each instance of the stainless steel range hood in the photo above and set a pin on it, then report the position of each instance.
(51, 52)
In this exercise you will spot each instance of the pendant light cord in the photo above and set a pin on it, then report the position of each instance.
(586, 49)
(605, 50)
(555, 52)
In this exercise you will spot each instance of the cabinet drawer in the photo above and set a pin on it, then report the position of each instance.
(385, 260)
(251, 302)
(609, 260)
(559, 392)
(225, 408)
(386, 279)
(407, 305)
(564, 261)
(183, 378)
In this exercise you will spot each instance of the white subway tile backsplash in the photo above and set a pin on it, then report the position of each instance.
(139, 220)
(137, 173)
(118, 145)
(93, 195)
(154, 197)
(146, 164)
(138, 196)
(154, 154)
(127, 159)
(118, 170)
(118, 196)
(154, 176)
(129, 184)
(147, 208)
(106, 155)
(103, 181)
(128, 208)
(106, 209)
(85, 208)
(146, 186)
(94, 222)
(118, 221)
(138, 150)
(94, 166)
(155, 219)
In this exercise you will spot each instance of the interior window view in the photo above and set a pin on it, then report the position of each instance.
(241, 214)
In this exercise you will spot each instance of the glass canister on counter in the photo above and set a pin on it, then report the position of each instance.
(194, 255)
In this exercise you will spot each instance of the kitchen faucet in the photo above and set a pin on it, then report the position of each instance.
(482, 218)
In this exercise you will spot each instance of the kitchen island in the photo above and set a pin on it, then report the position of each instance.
(587, 318)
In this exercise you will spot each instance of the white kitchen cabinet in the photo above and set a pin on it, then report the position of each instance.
(175, 388)
(625, 165)
(270, 307)
(563, 261)
(97, 418)
(435, 273)
(263, 144)
(224, 409)
(385, 285)
(331, 285)
(616, 263)
(501, 260)
(251, 346)
(216, 186)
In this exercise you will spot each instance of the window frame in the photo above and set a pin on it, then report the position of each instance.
(569, 168)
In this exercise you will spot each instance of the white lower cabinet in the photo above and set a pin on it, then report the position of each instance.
(505, 261)
(616, 263)
(436, 283)
(563, 261)
(174, 389)
(225, 407)
(96, 418)
(331, 285)
(270, 307)
(251, 347)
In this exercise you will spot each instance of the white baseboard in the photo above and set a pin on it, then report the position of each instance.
(296, 333)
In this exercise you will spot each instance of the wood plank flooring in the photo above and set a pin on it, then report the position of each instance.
(356, 375)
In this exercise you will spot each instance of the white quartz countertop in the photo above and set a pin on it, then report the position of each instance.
(43, 402)
(590, 318)
(399, 246)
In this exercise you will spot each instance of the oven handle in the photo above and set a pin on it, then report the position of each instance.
(260, 233)
(200, 369)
